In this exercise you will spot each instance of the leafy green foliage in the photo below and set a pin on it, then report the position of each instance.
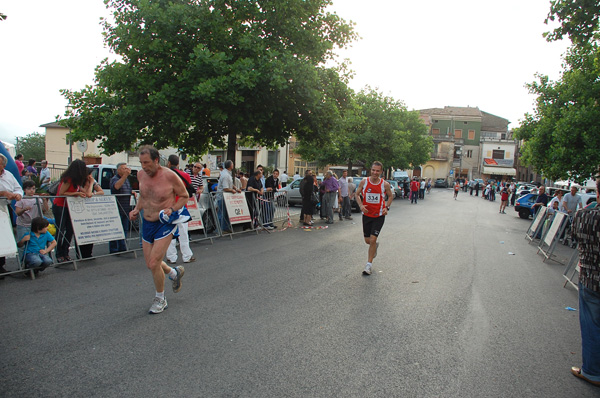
(578, 19)
(32, 146)
(198, 74)
(373, 127)
(563, 136)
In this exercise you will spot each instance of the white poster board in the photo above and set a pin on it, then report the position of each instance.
(8, 246)
(237, 207)
(196, 221)
(556, 223)
(95, 219)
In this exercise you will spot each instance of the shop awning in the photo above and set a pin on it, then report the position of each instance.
(500, 171)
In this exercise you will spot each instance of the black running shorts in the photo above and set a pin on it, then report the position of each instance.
(372, 225)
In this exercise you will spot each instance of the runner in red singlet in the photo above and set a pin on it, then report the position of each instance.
(374, 208)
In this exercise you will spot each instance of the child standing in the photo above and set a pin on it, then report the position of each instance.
(39, 244)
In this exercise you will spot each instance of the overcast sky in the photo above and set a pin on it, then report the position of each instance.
(428, 53)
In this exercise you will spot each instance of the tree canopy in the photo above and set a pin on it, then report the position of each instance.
(198, 74)
(374, 127)
(562, 136)
(32, 146)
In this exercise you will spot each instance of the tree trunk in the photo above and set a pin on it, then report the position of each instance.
(349, 167)
(231, 146)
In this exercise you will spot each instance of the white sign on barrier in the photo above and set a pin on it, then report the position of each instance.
(95, 219)
(554, 227)
(237, 207)
(8, 247)
(196, 221)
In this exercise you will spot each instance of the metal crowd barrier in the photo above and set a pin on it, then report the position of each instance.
(264, 211)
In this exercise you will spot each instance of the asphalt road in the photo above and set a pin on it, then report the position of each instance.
(447, 313)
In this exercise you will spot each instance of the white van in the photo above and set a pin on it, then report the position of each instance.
(102, 173)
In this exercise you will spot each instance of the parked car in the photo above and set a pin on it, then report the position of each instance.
(591, 205)
(395, 188)
(440, 183)
(293, 192)
(524, 205)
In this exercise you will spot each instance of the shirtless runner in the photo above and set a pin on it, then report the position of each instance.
(370, 197)
(159, 187)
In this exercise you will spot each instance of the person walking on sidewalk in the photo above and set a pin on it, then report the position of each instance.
(586, 230)
(374, 208)
(159, 187)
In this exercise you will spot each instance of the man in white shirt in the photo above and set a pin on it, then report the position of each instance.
(283, 178)
(297, 176)
(571, 201)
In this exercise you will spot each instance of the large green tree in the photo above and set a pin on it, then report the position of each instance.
(374, 127)
(562, 136)
(198, 74)
(32, 146)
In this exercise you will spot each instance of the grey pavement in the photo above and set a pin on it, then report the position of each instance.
(447, 313)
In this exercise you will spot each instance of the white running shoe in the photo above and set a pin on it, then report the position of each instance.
(177, 280)
(367, 270)
(158, 306)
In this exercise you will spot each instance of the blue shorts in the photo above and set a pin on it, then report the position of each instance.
(155, 230)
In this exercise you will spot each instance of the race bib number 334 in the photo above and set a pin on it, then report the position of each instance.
(373, 198)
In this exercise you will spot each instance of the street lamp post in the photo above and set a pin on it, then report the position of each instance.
(68, 109)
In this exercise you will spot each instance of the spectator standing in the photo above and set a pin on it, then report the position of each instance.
(120, 185)
(44, 174)
(206, 170)
(284, 179)
(422, 189)
(74, 183)
(254, 189)
(271, 186)
(31, 171)
(197, 180)
(513, 194)
(19, 162)
(307, 191)
(477, 187)
(297, 175)
(414, 190)
(225, 186)
(345, 196)
(96, 189)
(243, 180)
(586, 230)
(558, 197)
(9, 189)
(542, 200)
(182, 228)
(330, 187)
(572, 201)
